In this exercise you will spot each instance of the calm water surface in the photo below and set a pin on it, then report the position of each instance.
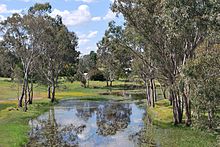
(88, 124)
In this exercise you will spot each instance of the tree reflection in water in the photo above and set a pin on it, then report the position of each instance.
(145, 137)
(52, 134)
(75, 123)
(112, 117)
(85, 110)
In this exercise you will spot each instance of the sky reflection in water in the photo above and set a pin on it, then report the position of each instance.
(77, 123)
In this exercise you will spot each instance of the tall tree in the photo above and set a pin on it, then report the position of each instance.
(204, 77)
(172, 30)
(114, 59)
(19, 40)
(59, 50)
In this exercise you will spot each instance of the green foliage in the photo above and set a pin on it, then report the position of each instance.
(40, 8)
(113, 58)
(97, 75)
(205, 92)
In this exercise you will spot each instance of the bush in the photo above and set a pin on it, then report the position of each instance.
(97, 75)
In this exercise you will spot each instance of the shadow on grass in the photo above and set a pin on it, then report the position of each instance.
(4, 106)
(119, 87)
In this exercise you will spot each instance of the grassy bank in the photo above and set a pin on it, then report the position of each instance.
(14, 123)
(164, 133)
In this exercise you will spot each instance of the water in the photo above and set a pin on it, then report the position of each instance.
(88, 124)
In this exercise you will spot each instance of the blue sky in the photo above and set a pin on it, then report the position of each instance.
(88, 18)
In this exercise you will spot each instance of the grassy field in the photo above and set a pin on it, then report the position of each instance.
(14, 124)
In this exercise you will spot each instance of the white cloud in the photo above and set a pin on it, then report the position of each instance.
(33, 1)
(26, 0)
(92, 34)
(109, 16)
(4, 9)
(83, 41)
(2, 18)
(86, 1)
(75, 17)
(85, 38)
(96, 18)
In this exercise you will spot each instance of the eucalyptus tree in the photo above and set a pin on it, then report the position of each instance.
(19, 40)
(142, 64)
(59, 50)
(106, 59)
(172, 30)
(37, 40)
(204, 76)
(113, 58)
(55, 43)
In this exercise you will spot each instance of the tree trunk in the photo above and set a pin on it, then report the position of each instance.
(53, 92)
(210, 118)
(88, 83)
(31, 93)
(107, 83)
(147, 92)
(180, 107)
(187, 101)
(110, 83)
(149, 95)
(20, 100)
(170, 97)
(22, 96)
(173, 99)
(26, 95)
(152, 92)
(48, 92)
(177, 107)
(163, 90)
(155, 91)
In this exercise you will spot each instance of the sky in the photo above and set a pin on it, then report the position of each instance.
(87, 18)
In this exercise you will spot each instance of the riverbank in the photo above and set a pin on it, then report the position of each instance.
(14, 123)
(166, 134)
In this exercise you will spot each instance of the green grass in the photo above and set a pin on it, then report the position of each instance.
(14, 124)
(184, 137)
(6, 105)
(168, 135)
